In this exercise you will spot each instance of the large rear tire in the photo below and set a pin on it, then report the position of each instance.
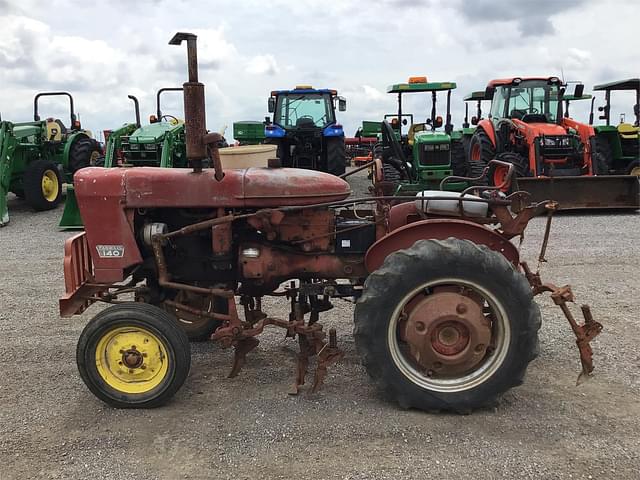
(481, 152)
(336, 156)
(458, 159)
(466, 311)
(133, 355)
(42, 185)
(602, 157)
(84, 152)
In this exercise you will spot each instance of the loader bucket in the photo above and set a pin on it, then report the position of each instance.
(71, 219)
(585, 192)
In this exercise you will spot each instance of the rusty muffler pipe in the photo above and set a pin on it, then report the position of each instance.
(194, 109)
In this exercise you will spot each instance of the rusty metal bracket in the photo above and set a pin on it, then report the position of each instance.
(584, 333)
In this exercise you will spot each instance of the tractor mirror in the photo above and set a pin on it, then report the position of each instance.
(438, 122)
(601, 109)
(579, 90)
(474, 120)
(342, 104)
(272, 104)
(404, 121)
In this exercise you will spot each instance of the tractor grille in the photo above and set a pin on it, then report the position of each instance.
(435, 155)
(557, 146)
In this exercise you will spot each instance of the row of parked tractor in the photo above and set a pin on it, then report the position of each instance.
(580, 165)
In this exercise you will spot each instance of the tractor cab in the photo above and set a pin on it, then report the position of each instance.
(620, 144)
(429, 151)
(305, 129)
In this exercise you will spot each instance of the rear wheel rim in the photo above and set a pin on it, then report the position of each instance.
(483, 371)
(635, 171)
(131, 359)
(50, 185)
(475, 152)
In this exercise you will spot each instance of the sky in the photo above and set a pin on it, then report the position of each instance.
(103, 51)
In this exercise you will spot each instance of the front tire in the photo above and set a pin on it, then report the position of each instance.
(133, 355)
(446, 325)
(42, 185)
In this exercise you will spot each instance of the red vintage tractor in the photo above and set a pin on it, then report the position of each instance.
(444, 316)
(554, 156)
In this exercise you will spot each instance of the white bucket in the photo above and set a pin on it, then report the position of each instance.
(247, 156)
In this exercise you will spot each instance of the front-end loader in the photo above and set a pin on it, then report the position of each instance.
(554, 156)
(39, 156)
(444, 310)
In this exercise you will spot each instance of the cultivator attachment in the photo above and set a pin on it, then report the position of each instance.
(585, 192)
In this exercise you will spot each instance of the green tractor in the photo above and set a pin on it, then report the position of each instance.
(159, 144)
(249, 132)
(39, 156)
(618, 144)
(420, 159)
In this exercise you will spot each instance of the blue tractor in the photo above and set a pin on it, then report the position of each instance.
(305, 129)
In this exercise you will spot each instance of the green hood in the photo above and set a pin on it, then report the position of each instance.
(153, 133)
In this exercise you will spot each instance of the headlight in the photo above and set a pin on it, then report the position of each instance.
(149, 146)
(134, 146)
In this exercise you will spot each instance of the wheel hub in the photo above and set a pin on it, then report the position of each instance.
(447, 333)
(132, 358)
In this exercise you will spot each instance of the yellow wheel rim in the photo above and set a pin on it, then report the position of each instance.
(50, 185)
(635, 171)
(131, 359)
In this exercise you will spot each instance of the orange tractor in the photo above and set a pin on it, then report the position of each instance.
(554, 156)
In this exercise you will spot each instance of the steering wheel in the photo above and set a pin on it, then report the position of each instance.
(175, 121)
(534, 110)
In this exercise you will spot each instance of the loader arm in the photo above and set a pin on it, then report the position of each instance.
(115, 142)
(8, 144)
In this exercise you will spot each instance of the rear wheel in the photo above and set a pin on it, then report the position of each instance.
(133, 355)
(83, 153)
(336, 155)
(498, 174)
(42, 185)
(481, 152)
(453, 336)
(458, 159)
(602, 157)
(197, 328)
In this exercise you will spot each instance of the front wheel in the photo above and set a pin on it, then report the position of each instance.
(133, 355)
(42, 185)
(446, 325)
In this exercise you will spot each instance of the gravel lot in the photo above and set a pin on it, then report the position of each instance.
(248, 427)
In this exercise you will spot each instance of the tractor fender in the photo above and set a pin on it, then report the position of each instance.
(438, 229)
(487, 126)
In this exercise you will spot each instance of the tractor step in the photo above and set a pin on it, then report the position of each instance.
(585, 192)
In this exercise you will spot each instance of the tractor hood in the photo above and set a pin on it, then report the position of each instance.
(431, 137)
(153, 133)
(541, 128)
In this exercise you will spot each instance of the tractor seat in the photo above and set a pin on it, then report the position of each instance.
(55, 130)
(628, 131)
(416, 127)
(305, 122)
(443, 206)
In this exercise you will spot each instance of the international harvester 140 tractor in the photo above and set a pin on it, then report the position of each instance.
(444, 314)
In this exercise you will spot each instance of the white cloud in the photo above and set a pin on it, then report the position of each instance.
(262, 64)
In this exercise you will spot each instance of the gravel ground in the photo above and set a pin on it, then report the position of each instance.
(248, 427)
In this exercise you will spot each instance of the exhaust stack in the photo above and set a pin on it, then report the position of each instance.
(200, 144)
